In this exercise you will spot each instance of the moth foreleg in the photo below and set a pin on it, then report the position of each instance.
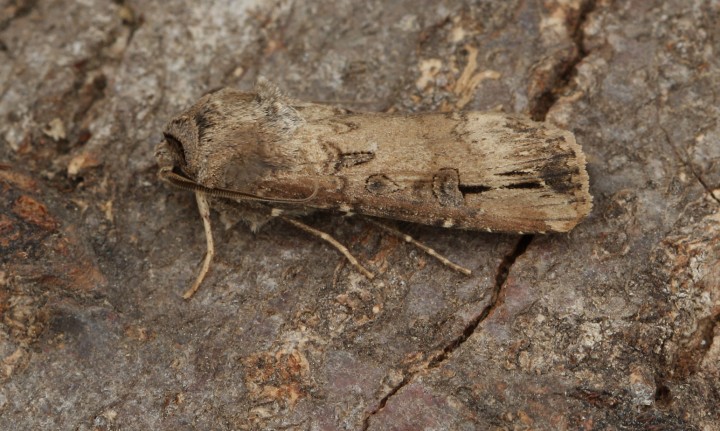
(407, 238)
(324, 236)
(204, 209)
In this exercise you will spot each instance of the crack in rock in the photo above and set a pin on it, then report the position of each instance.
(702, 182)
(689, 165)
(566, 69)
(500, 279)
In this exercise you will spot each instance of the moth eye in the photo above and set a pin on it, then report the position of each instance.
(175, 145)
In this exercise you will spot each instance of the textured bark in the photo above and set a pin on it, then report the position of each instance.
(612, 326)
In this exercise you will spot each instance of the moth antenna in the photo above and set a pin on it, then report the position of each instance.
(190, 185)
(204, 210)
(407, 238)
(326, 237)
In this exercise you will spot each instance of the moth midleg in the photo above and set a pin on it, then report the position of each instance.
(407, 238)
(324, 236)
(204, 209)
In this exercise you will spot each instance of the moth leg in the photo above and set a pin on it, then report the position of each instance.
(407, 238)
(341, 248)
(204, 209)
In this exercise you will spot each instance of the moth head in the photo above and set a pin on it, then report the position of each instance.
(179, 145)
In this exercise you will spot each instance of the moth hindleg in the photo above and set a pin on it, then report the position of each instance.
(407, 238)
(341, 248)
(204, 209)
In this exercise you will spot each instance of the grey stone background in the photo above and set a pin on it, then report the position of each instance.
(613, 326)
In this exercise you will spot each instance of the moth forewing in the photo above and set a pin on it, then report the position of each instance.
(273, 156)
(480, 171)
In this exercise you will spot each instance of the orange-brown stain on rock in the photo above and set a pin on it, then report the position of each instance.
(34, 212)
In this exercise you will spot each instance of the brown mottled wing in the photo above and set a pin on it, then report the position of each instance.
(474, 170)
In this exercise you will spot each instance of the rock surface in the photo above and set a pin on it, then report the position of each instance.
(613, 326)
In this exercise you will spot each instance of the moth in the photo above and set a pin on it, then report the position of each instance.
(262, 155)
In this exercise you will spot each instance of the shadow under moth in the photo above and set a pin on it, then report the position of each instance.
(262, 155)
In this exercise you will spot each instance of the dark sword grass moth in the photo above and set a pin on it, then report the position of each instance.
(261, 155)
